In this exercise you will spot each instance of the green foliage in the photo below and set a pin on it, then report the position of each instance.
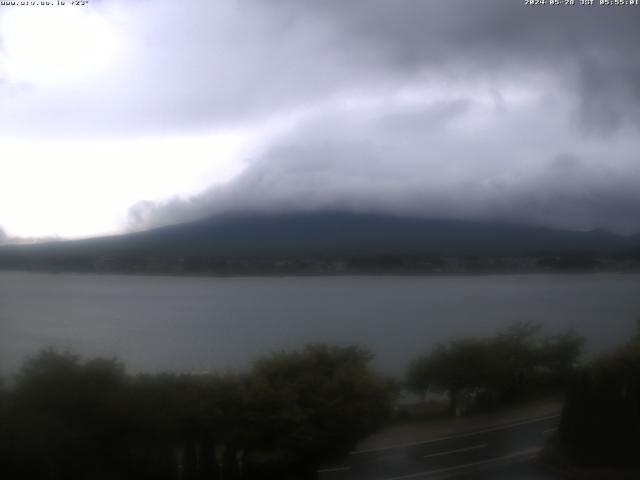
(67, 415)
(4, 422)
(420, 376)
(184, 415)
(503, 368)
(459, 366)
(65, 418)
(601, 420)
(560, 353)
(316, 402)
(518, 353)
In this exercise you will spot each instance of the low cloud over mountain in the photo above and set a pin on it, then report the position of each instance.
(488, 110)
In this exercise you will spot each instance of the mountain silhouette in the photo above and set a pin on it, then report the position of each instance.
(324, 234)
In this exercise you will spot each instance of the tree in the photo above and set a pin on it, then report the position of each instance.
(419, 376)
(4, 425)
(460, 367)
(517, 353)
(503, 368)
(600, 424)
(307, 405)
(68, 416)
(560, 355)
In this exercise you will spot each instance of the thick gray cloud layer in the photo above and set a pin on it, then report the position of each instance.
(421, 162)
(202, 62)
(484, 110)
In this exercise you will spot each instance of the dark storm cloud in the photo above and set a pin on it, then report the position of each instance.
(473, 109)
(207, 63)
(426, 163)
(593, 50)
(583, 197)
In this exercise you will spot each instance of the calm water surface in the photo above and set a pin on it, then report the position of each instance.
(197, 324)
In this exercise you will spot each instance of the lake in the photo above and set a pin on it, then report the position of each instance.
(156, 323)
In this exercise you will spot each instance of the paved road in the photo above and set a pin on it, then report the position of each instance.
(500, 452)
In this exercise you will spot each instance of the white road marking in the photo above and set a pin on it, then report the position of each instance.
(524, 454)
(475, 447)
(454, 436)
(335, 469)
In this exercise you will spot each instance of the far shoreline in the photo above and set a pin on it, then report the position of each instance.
(354, 274)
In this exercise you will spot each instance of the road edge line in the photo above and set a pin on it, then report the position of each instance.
(455, 435)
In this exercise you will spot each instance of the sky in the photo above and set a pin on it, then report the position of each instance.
(123, 115)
